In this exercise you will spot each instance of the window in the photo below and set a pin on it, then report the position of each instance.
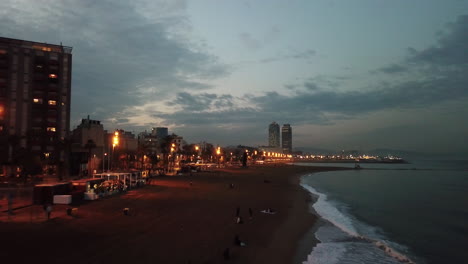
(2, 51)
(39, 66)
(52, 102)
(37, 100)
(53, 76)
(51, 129)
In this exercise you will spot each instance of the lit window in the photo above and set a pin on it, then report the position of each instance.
(37, 100)
(1, 128)
(53, 76)
(52, 102)
(39, 66)
(51, 129)
(2, 51)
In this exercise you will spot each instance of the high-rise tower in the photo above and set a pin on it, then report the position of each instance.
(35, 87)
(286, 135)
(274, 135)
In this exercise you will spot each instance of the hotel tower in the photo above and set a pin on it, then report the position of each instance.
(274, 135)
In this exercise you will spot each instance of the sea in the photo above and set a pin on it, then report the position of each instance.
(390, 213)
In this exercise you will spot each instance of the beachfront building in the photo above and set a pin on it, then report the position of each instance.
(160, 132)
(286, 135)
(274, 135)
(123, 147)
(88, 147)
(35, 88)
(148, 142)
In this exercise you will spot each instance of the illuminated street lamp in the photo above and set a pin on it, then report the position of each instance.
(115, 142)
(173, 156)
(104, 161)
(218, 152)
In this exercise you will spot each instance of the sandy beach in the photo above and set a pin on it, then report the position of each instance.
(175, 219)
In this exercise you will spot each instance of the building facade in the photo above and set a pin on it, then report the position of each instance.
(88, 147)
(35, 87)
(286, 135)
(274, 135)
(161, 132)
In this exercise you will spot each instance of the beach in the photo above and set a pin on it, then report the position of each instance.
(175, 219)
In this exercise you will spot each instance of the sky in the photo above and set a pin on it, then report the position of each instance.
(352, 75)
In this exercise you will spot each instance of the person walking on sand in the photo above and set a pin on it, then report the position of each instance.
(239, 242)
(48, 210)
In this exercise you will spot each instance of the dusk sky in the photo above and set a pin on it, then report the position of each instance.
(357, 74)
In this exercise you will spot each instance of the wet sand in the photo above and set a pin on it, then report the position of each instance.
(176, 219)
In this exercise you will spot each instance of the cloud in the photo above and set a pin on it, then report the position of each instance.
(249, 41)
(393, 68)
(432, 81)
(201, 102)
(122, 56)
(255, 43)
(452, 48)
(448, 56)
(306, 55)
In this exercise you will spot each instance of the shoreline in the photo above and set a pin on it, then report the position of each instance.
(177, 219)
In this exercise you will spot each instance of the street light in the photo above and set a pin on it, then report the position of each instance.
(115, 142)
(218, 152)
(173, 156)
(104, 161)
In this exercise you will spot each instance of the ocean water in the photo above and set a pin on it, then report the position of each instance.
(391, 213)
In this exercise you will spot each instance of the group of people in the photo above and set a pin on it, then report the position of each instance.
(237, 240)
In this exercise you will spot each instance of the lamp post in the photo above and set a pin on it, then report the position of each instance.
(115, 142)
(197, 148)
(173, 156)
(218, 152)
(103, 162)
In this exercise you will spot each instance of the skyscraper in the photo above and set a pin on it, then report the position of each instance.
(35, 86)
(274, 135)
(286, 135)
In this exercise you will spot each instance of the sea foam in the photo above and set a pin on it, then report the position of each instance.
(326, 253)
(330, 252)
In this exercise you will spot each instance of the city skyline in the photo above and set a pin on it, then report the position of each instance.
(346, 75)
